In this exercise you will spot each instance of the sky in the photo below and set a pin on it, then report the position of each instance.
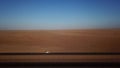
(59, 14)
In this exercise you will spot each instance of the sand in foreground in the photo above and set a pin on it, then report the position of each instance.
(60, 41)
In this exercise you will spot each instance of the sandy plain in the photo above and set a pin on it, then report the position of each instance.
(40, 41)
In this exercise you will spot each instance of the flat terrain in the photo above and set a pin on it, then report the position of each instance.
(96, 40)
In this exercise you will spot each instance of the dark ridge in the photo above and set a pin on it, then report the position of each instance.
(61, 53)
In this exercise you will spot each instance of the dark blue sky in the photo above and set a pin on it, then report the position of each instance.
(59, 14)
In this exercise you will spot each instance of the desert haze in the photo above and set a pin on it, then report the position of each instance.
(40, 41)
